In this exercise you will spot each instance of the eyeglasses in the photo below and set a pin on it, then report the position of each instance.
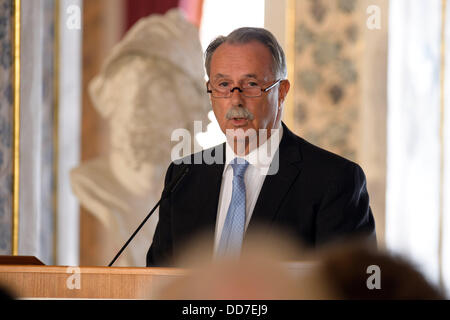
(249, 89)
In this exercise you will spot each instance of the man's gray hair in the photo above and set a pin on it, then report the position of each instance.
(246, 35)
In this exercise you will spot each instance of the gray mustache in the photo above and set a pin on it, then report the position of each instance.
(239, 112)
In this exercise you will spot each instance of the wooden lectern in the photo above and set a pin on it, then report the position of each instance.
(27, 277)
(23, 277)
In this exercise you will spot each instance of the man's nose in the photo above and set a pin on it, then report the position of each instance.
(236, 96)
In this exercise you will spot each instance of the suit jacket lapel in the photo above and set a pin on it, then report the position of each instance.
(276, 186)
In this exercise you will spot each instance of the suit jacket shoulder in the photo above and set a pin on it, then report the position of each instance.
(319, 195)
(327, 166)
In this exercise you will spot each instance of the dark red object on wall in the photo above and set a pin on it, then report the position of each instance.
(136, 9)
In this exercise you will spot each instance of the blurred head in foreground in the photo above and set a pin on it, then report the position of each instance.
(356, 272)
(5, 294)
(258, 274)
(344, 271)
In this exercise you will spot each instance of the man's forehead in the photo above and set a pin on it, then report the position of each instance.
(247, 75)
(252, 59)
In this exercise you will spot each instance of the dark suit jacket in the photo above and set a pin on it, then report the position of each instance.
(316, 197)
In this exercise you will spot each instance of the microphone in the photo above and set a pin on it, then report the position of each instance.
(165, 194)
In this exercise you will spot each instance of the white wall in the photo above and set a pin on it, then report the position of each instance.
(413, 170)
(69, 136)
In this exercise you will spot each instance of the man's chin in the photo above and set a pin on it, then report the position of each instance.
(241, 138)
(244, 132)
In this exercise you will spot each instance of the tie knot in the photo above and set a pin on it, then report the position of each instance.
(239, 166)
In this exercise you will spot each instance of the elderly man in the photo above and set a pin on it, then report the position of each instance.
(311, 194)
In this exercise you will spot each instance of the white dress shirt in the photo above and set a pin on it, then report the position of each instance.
(254, 178)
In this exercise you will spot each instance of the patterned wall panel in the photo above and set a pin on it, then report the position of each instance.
(36, 212)
(328, 50)
(37, 153)
(6, 114)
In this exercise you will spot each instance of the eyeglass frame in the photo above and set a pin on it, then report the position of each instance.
(242, 91)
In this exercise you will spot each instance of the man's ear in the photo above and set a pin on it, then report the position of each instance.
(209, 95)
(283, 91)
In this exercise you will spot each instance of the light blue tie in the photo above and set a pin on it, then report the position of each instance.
(233, 230)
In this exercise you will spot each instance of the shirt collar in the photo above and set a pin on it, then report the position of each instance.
(261, 157)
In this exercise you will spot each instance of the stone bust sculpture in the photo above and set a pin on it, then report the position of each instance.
(151, 84)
